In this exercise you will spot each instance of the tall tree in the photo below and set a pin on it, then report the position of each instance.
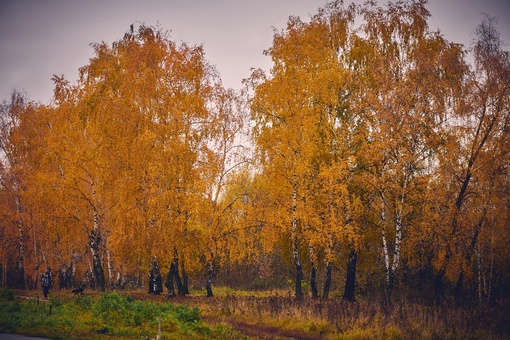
(481, 153)
(410, 75)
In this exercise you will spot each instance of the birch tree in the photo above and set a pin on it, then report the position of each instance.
(411, 74)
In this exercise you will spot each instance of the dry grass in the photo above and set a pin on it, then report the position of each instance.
(364, 319)
(338, 319)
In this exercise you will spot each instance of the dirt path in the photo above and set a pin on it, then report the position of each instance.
(259, 331)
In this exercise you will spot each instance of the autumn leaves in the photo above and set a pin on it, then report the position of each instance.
(357, 124)
(372, 139)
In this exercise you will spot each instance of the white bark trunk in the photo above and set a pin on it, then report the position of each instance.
(110, 268)
(385, 242)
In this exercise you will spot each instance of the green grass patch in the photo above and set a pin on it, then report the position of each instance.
(109, 315)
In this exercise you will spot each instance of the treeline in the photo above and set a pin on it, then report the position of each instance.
(372, 158)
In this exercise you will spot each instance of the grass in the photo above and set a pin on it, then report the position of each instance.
(258, 314)
(363, 319)
(107, 315)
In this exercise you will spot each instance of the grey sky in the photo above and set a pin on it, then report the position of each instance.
(39, 38)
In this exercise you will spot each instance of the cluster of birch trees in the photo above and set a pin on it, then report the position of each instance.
(371, 155)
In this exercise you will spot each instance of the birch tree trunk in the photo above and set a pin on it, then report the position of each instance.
(95, 244)
(209, 277)
(295, 242)
(109, 264)
(21, 282)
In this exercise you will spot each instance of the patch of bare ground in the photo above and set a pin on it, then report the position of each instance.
(260, 331)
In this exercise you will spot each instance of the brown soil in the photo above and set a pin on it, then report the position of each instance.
(260, 331)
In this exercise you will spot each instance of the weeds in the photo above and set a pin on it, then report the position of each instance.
(108, 315)
(363, 319)
(115, 315)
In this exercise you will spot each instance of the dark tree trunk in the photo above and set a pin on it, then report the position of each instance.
(65, 274)
(460, 280)
(180, 287)
(438, 287)
(313, 282)
(185, 286)
(313, 274)
(155, 279)
(299, 278)
(208, 284)
(458, 287)
(327, 283)
(169, 283)
(350, 281)
(94, 243)
(388, 288)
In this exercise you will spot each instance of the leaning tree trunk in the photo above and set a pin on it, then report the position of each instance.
(173, 274)
(350, 281)
(185, 286)
(178, 281)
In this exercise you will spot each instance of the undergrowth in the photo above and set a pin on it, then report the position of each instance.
(120, 316)
(363, 319)
(109, 315)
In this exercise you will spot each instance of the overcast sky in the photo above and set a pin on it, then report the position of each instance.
(39, 38)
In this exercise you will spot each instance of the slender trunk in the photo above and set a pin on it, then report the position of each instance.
(313, 274)
(299, 278)
(458, 287)
(387, 268)
(491, 269)
(438, 287)
(185, 286)
(350, 282)
(4, 263)
(21, 282)
(295, 245)
(480, 269)
(391, 265)
(89, 276)
(36, 257)
(398, 240)
(208, 284)
(327, 283)
(109, 264)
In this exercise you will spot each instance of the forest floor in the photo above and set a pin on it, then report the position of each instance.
(255, 328)
(277, 315)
